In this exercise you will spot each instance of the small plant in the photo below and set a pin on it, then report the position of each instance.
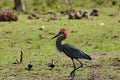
(99, 2)
(51, 3)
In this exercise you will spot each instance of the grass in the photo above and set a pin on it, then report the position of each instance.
(37, 46)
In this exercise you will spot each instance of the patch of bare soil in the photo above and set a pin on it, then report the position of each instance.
(99, 76)
(99, 55)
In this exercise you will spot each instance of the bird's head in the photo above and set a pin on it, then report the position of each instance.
(30, 62)
(63, 32)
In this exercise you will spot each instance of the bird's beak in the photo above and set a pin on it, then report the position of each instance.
(56, 35)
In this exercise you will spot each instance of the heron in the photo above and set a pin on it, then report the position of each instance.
(69, 50)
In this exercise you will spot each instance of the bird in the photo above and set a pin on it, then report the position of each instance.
(52, 64)
(30, 65)
(69, 50)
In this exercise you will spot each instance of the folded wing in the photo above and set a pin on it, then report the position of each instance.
(74, 52)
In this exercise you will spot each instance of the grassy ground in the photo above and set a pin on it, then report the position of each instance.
(99, 41)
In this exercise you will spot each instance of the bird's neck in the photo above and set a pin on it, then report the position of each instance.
(59, 43)
(30, 63)
(52, 62)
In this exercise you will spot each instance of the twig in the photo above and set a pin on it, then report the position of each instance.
(21, 57)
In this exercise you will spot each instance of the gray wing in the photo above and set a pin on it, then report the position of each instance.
(74, 52)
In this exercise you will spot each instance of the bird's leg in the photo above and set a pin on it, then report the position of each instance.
(72, 74)
(80, 65)
(74, 64)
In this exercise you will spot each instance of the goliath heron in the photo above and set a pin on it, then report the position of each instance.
(69, 50)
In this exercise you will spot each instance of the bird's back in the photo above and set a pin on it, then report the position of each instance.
(74, 52)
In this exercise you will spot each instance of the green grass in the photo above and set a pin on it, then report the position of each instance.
(37, 46)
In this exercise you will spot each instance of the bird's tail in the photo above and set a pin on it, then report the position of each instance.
(88, 57)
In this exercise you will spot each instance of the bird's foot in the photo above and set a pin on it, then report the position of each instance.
(72, 74)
